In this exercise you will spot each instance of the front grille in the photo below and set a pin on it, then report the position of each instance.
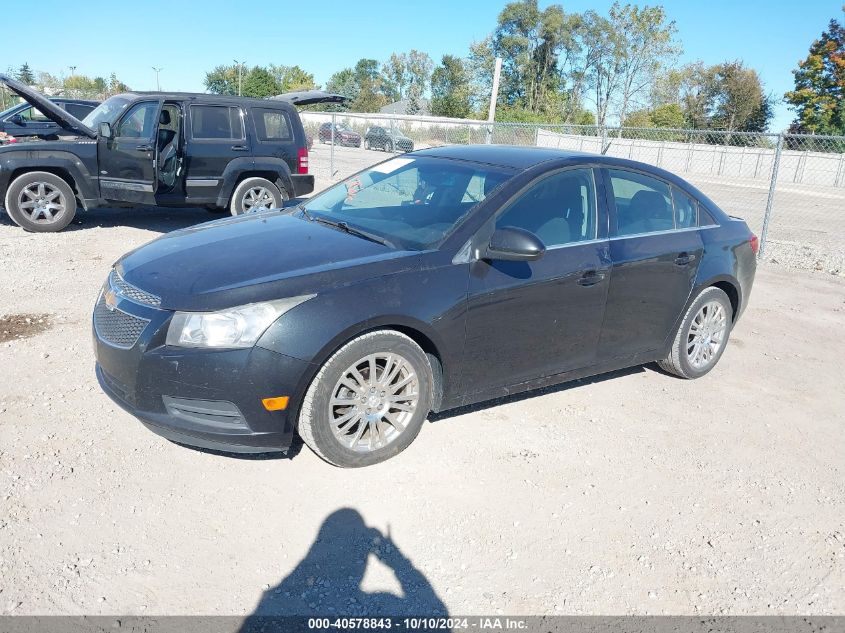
(131, 292)
(115, 327)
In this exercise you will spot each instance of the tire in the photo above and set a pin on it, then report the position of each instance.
(40, 202)
(367, 145)
(388, 146)
(693, 355)
(248, 198)
(317, 412)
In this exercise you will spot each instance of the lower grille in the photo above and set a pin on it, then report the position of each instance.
(117, 328)
(117, 388)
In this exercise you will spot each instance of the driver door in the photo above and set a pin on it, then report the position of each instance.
(128, 170)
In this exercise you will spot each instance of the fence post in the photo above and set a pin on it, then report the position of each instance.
(331, 154)
(771, 199)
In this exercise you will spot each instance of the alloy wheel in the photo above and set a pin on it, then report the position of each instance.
(258, 199)
(707, 334)
(42, 203)
(373, 402)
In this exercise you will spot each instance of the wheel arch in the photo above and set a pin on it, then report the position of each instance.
(67, 167)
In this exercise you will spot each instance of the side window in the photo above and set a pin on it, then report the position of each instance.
(32, 114)
(559, 209)
(272, 125)
(210, 122)
(139, 122)
(686, 210)
(704, 217)
(643, 203)
(78, 110)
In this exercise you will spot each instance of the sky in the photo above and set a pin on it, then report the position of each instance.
(188, 38)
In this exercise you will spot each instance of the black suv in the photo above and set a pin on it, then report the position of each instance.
(23, 120)
(157, 148)
(388, 139)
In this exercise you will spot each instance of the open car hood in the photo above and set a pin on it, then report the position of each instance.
(48, 108)
(310, 97)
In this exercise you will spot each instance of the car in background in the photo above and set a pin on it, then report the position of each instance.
(343, 135)
(156, 149)
(26, 121)
(436, 280)
(388, 139)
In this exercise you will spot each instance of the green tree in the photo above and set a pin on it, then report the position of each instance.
(368, 82)
(222, 80)
(819, 95)
(25, 75)
(260, 82)
(450, 89)
(292, 78)
(737, 99)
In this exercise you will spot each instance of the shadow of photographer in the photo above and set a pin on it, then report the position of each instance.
(327, 581)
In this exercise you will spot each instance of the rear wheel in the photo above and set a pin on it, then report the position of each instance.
(256, 194)
(702, 336)
(368, 401)
(40, 202)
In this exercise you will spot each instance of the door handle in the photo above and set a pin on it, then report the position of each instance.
(240, 148)
(590, 278)
(144, 148)
(684, 258)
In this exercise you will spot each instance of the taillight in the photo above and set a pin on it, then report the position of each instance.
(302, 160)
(755, 244)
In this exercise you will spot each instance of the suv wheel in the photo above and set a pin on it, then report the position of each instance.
(40, 202)
(388, 146)
(367, 144)
(256, 194)
(369, 400)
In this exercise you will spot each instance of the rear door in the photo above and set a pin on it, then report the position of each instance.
(655, 253)
(216, 136)
(275, 135)
(128, 159)
(531, 319)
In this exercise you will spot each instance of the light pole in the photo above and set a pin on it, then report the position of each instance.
(240, 68)
(157, 71)
(72, 70)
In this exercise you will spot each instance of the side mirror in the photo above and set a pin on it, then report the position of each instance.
(514, 244)
(105, 130)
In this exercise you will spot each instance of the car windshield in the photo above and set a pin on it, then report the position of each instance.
(9, 111)
(413, 203)
(106, 112)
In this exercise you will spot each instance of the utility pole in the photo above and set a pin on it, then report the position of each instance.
(157, 71)
(72, 70)
(240, 68)
(494, 95)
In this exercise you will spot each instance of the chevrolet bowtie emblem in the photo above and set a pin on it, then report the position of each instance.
(110, 297)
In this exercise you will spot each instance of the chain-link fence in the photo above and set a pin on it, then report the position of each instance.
(789, 188)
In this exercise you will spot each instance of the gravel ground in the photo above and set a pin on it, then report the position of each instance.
(633, 492)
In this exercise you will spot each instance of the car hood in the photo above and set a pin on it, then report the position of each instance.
(48, 108)
(253, 258)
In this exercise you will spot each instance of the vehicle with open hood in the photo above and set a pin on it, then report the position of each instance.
(158, 148)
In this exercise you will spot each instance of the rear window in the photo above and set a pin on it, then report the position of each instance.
(216, 122)
(643, 203)
(271, 125)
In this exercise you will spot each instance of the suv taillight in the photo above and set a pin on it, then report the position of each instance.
(755, 244)
(302, 161)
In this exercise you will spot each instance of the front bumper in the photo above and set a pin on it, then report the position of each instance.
(204, 398)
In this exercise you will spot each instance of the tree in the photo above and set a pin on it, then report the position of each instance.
(819, 95)
(260, 83)
(222, 80)
(343, 82)
(368, 86)
(667, 115)
(737, 99)
(450, 89)
(292, 78)
(25, 75)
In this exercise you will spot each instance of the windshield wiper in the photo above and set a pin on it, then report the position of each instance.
(308, 216)
(354, 230)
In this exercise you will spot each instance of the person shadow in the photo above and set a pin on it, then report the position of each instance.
(327, 581)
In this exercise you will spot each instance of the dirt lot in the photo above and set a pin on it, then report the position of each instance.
(631, 493)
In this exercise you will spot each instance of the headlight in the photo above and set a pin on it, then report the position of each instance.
(234, 327)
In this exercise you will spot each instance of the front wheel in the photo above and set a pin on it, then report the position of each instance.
(388, 146)
(368, 401)
(256, 194)
(702, 336)
(40, 202)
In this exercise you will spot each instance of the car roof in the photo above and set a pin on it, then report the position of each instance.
(201, 96)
